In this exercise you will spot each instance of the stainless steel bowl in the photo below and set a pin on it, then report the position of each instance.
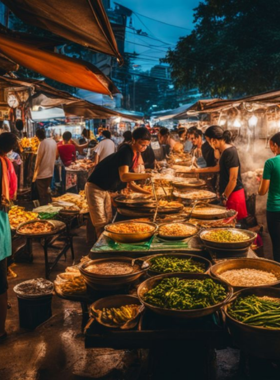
(149, 284)
(239, 244)
(181, 237)
(111, 282)
(184, 256)
(253, 340)
(130, 237)
(259, 264)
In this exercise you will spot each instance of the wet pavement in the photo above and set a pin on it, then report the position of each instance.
(55, 350)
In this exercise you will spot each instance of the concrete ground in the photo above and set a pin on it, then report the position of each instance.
(55, 350)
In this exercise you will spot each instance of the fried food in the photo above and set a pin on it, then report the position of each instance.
(172, 204)
(130, 228)
(36, 228)
(18, 215)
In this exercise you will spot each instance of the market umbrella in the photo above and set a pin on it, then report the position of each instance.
(71, 71)
(84, 22)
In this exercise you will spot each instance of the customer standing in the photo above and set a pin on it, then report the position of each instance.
(105, 147)
(164, 138)
(8, 141)
(271, 183)
(44, 166)
(112, 174)
(231, 189)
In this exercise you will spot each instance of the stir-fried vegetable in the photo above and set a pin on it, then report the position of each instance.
(257, 311)
(171, 264)
(185, 294)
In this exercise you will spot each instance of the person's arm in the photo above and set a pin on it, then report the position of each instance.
(233, 175)
(264, 186)
(38, 161)
(96, 158)
(210, 169)
(137, 188)
(57, 153)
(79, 147)
(265, 182)
(126, 176)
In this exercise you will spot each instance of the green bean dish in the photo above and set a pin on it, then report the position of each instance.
(185, 294)
(256, 311)
(171, 264)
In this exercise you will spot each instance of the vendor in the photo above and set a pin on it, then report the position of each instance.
(67, 149)
(164, 137)
(271, 183)
(231, 190)
(112, 174)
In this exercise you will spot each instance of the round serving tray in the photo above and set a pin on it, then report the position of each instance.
(112, 282)
(188, 182)
(221, 213)
(181, 237)
(248, 263)
(150, 283)
(56, 227)
(191, 195)
(257, 341)
(130, 237)
(239, 244)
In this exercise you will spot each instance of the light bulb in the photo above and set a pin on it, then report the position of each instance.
(237, 123)
(253, 121)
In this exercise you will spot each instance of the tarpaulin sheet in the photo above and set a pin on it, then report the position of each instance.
(71, 71)
(82, 21)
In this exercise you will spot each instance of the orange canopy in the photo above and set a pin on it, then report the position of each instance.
(71, 71)
(82, 21)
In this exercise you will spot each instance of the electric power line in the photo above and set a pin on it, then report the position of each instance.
(162, 22)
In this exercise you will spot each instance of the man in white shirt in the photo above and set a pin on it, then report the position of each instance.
(105, 147)
(44, 166)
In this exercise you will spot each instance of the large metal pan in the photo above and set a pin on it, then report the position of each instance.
(201, 195)
(253, 340)
(182, 183)
(240, 263)
(239, 244)
(149, 284)
(130, 237)
(208, 212)
(133, 202)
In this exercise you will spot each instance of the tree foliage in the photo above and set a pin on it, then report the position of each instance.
(234, 49)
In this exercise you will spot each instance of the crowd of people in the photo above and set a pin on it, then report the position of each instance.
(117, 165)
